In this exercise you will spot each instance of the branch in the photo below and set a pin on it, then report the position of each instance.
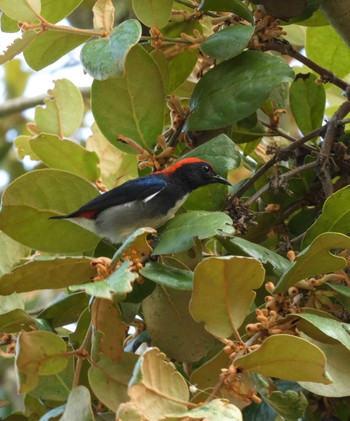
(332, 133)
(283, 47)
(283, 177)
(278, 156)
(82, 350)
(17, 105)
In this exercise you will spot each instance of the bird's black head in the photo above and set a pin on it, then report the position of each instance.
(194, 173)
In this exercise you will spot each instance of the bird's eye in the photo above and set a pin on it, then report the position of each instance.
(206, 169)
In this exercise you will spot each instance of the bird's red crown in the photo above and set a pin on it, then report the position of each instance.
(180, 163)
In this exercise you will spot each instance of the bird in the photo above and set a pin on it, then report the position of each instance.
(147, 201)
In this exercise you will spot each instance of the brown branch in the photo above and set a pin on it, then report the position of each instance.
(17, 105)
(280, 154)
(82, 350)
(285, 48)
(332, 133)
(283, 177)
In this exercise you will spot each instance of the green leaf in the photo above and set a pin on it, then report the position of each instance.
(139, 106)
(37, 354)
(11, 253)
(329, 327)
(22, 145)
(8, 25)
(220, 151)
(116, 166)
(119, 283)
(21, 9)
(103, 58)
(234, 6)
(212, 411)
(78, 406)
(178, 234)
(62, 272)
(65, 310)
(316, 259)
(49, 46)
(275, 263)
(307, 101)
(168, 276)
(109, 379)
(63, 154)
(223, 292)
(298, 360)
(63, 113)
(290, 405)
(153, 12)
(172, 328)
(228, 42)
(325, 38)
(156, 380)
(54, 14)
(337, 366)
(335, 216)
(31, 199)
(17, 46)
(235, 89)
(13, 302)
(16, 321)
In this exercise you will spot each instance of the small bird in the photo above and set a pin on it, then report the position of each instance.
(148, 201)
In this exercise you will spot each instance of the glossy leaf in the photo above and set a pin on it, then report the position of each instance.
(37, 354)
(298, 360)
(50, 46)
(307, 101)
(273, 261)
(329, 327)
(172, 328)
(36, 196)
(62, 272)
(228, 42)
(156, 386)
(335, 216)
(178, 234)
(66, 155)
(21, 9)
(234, 6)
(153, 12)
(63, 114)
(139, 106)
(16, 321)
(325, 38)
(168, 276)
(78, 406)
(65, 310)
(223, 292)
(316, 259)
(235, 89)
(103, 58)
(109, 379)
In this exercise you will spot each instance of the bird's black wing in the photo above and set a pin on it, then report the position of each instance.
(138, 189)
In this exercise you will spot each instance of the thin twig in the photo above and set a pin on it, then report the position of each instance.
(285, 48)
(192, 6)
(331, 134)
(82, 349)
(17, 105)
(283, 177)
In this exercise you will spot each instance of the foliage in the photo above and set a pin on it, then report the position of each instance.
(240, 307)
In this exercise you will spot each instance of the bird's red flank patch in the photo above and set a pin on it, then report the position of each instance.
(179, 164)
(88, 215)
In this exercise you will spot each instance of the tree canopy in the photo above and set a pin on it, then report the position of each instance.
(236, 309)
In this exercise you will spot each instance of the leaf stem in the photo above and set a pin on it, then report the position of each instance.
(82, 349)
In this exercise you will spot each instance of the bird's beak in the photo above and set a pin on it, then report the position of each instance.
(218, 179)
